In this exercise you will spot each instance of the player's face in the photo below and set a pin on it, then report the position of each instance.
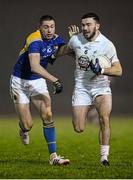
(89, 28)
(48, 28)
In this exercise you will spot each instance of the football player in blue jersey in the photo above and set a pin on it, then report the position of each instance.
(28, 84)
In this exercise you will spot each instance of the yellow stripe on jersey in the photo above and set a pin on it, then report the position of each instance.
(35, 36)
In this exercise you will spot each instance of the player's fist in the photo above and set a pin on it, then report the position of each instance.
(73, 29)
(96, 68)
(58, 87)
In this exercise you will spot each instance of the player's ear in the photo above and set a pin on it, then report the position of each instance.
(97, 26)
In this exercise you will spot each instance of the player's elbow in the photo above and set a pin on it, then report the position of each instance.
(34, 69)
(119, 72)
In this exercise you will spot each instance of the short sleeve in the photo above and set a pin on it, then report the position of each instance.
(34, 47)
(112, 54)
(70, 43)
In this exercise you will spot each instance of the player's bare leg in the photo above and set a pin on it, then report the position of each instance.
(43, 105)
(79, 117)
(104, 106)
(25, 121)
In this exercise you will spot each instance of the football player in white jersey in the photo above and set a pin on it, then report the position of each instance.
(92, 86)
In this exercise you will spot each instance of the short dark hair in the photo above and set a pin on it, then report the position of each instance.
(46, 18)
(91, 15)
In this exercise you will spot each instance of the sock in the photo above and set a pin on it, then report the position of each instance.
(50, 136)
(104, 152)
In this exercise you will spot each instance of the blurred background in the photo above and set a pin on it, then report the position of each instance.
(20, 18)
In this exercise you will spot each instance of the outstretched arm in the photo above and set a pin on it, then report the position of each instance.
(65, 50)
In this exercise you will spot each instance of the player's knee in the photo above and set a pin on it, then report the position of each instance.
(47, 117)
(78, 129)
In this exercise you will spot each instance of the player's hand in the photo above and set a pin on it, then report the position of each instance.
(58, 87)
(96, 68)
(73, 30)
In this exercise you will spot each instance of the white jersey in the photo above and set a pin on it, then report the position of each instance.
(89, 50)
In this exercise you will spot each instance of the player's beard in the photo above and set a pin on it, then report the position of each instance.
(90, 36)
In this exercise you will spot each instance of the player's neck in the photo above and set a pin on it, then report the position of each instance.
(95, 36)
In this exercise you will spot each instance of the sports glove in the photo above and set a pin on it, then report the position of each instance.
(96, 68)
(58, 87)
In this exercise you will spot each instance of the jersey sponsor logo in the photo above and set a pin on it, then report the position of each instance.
(84, 62)
(46, 52)
(49, 49)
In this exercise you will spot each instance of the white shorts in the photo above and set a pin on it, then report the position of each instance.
(21, 90)
(86, 96)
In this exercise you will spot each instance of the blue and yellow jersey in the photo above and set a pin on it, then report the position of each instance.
(35, 43)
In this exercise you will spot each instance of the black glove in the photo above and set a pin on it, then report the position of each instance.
(96, 68)
(58, 87)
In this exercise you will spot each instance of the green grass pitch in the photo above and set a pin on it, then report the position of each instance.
(31, 162)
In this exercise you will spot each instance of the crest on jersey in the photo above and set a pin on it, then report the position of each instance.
(84, 62)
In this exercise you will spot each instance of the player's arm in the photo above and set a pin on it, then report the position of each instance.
(114, 70)
(65, 49)
(34, 59)
(37, 68)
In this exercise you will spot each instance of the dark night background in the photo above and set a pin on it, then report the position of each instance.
(19, 18)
